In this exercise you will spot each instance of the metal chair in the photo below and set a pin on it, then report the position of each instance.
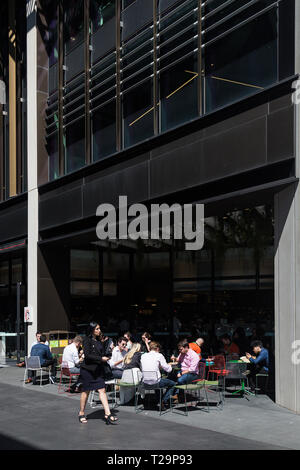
(130, 385)
(153, 376)
(195, 387)
(95, 403)
(261, 374)
(237, 370)
(65, 372)
(33, 363)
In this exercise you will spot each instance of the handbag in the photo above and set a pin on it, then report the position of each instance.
(108, 375)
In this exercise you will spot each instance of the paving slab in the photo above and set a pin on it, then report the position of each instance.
(41, 418)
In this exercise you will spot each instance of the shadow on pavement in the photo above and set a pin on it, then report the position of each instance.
(6, 443)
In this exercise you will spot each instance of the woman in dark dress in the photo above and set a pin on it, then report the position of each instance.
(92, 373)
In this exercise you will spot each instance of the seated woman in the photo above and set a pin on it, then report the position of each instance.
(131, 373)
(133, 357)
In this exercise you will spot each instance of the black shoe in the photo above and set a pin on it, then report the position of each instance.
(110, 419)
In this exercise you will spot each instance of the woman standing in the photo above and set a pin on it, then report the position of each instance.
(92, 373)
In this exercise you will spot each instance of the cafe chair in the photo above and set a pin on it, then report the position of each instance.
(130, 386)
(33, 363)
(94, 403)
(153, 377)
(194, 388)
(65, 372)
(266, 382)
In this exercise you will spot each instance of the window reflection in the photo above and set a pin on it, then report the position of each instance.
(73, 23)
(138, 113)
(101, 11)
(241, 63)
(104, 130)
(74, 143)
(52, 148)
(178, 93)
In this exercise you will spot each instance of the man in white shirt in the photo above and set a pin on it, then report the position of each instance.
(116, 362)
(151, 363)
(72, 358)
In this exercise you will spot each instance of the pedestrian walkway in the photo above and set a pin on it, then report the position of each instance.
(255, 424)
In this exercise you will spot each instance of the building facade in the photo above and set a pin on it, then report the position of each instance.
(163, 101)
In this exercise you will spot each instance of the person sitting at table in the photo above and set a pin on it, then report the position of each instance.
(133, 357)
(145, 343)
(229, 347)
(117, 358)
(129, 339)
(188, 361)
(196, 346)
(46, 359)
(151, 363)
(258, 363)
(72, 358)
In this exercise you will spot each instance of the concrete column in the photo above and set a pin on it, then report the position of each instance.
(32, 142)
(287, 274)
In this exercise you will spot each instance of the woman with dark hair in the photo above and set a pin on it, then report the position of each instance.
(145, 344)
(92, 372)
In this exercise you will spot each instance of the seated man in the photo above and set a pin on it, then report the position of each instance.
(117, 358)
(151, 363)
(46, 359)
(71, 357)
(188, 360)
(38, 338)
(229, 347)
(258, 363)
(196, 346)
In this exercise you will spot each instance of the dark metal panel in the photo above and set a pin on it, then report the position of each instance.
(60, 209)
(240, 149)
(75, 62)
(131, 182)
(135, 17)
(13, 222)
(281, 134)
(104, 39)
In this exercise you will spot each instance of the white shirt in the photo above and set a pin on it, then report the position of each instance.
(117, 356)
(151, 362)
(70, 355)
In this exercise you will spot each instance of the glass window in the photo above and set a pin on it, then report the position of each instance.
(74, 144)
(104, 130)
(84, 289)
(188, 264)
(73, 23)
(51, 40)
(138, 113)
(178, 93)
(235, 262)
(84, 264)
(242, 62)
(52, 147)
(126, 3)
(101, 11)
(115, 266)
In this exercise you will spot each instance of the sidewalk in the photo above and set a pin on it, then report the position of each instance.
(257, 424)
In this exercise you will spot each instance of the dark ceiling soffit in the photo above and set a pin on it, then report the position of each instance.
(279, 89)
(230, 201)
(13, 246)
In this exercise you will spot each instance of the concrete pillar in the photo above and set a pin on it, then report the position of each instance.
(287, 274)
(32, 142)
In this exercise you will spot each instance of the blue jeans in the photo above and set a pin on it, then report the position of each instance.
(186, 379)
(169, 385)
